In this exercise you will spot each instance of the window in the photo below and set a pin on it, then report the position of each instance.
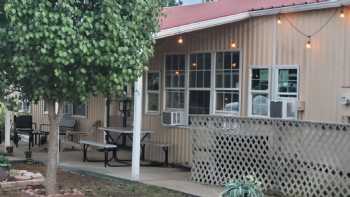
(152, 92)
(199, 86)
(227, 82)
(46, 108)
(274, 91)
(24, 106)
(260, 92)
(175, 81)
(287, 82)
(75, 109)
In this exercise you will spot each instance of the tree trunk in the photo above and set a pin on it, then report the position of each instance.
(53, 143)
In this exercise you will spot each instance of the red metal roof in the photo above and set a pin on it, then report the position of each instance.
(184, 15)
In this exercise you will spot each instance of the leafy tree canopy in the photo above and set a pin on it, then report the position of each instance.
(66, 50)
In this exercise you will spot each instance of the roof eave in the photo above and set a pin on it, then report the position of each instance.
(242, 16)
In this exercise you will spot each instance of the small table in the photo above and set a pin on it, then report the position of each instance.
(127, 131)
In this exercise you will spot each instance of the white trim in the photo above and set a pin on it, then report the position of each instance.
(201, 25)
(147, 111)
(245, 15)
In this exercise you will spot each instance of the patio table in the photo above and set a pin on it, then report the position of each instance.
(123, 131)
(128, 132)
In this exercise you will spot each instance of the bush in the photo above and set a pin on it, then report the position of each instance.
(250, 187)
(4, 162)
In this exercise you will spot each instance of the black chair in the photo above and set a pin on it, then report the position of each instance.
(23, 125)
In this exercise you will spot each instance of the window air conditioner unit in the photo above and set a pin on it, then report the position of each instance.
(284, 109)
(174, 118)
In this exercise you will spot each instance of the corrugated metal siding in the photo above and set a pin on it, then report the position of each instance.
(324, 69)
(95, 113)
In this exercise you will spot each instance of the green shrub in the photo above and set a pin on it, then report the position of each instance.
(4, 162)
(250, 187)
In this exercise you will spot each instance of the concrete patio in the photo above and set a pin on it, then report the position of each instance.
(168, 177)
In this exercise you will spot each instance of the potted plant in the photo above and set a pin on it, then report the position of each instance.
(4, 163)
(250, 187)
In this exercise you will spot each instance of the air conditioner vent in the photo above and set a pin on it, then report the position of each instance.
(174, 118)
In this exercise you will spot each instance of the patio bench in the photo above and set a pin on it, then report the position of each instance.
(104, 147)
(163, 146)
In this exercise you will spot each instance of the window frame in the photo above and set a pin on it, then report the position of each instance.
(165, 88)
(76, 115)
(147, 111)
(187, 82)
(251, 92)
(239, 89)
(272, 91)
(276, 69)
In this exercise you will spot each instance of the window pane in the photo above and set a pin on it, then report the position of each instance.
(175, 99)
(68, 108)
(153, 102)
(153, 81)
(227, 101)
(175, 71)
(227, 76)
(219, 61)
(46, 107)
(199, 102)
(200, 65)
(79, 109)
(235, 60)
(227, 60)
(287, 80)
(260, 104)
(260, 79)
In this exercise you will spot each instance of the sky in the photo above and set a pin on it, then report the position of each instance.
(191, 1)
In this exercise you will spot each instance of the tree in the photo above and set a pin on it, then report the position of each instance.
(67, 50)
(170, 3)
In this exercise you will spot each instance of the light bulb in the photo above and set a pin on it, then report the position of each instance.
(180, 40)
(233, 45)
(342, 14)
(308, 44)
(279, 21)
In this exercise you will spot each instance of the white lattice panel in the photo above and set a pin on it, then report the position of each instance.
(295, 158)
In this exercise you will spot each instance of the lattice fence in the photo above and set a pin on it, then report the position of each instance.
(293, 157)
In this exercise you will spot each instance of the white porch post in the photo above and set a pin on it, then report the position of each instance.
(136, 142)
(7, 128)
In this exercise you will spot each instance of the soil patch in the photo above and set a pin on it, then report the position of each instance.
(93, 186)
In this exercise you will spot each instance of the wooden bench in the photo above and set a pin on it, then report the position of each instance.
(105, 147)
(163, 146)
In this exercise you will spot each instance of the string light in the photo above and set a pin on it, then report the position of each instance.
(279, 21)
(177, 72)
(233, 44)
(342, 14)
(308, 43)
(180, 40)
(233, 65)
(194, 64)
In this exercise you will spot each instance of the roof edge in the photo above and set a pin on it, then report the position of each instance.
(201, 25)
(245, 15)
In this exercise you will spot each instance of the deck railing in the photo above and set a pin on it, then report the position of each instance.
(293, 157)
